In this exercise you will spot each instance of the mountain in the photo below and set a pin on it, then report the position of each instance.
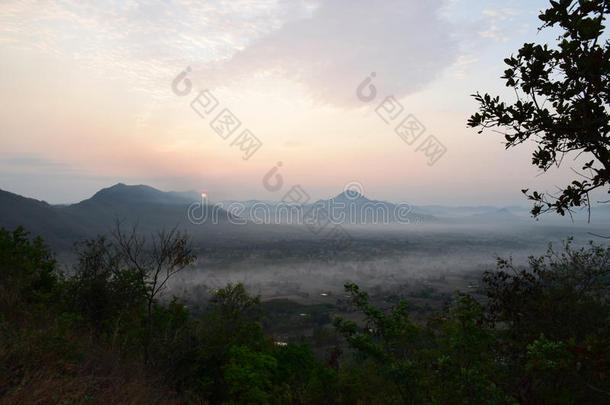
(490, 215)
(351, 207)
(207, 223)
(149, 208)
(124, 194)
(348, 207)
(265, 212)
(36, 216)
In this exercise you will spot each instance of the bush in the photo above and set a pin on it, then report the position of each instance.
(542, 337)
(27, 271)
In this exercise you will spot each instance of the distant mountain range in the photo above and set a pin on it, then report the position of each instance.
(348, 207)
(124, 194)
(153, 209)
(354, 208)
(149, 208)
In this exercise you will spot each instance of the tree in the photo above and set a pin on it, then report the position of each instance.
(167, 253)
(552, 324)
(448, 361)
(27, 270)
(392, 341)
(233, 318)
(563, 99)
(101, 288)
(249, 376)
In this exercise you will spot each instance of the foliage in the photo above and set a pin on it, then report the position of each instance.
(101, 289)
(541, 337)
(28, 270)
(563, 101)
(392, 340)
(249, 376)
(155, 260)
(449, 361)
(561, 294)
(563, 299)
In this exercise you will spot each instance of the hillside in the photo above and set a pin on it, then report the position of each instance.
(61, 225)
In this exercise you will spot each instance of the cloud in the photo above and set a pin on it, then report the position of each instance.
(328, 46)
(406, 43)
(140, 42)
(497, 17)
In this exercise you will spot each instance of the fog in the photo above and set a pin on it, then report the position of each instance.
(309, 268)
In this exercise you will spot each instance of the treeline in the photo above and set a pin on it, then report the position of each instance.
(101, 335)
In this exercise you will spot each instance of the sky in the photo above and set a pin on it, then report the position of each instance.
(151, 92)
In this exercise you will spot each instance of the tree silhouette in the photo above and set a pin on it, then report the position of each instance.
(563, 98)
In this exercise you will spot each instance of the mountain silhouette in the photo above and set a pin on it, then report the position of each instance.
(350, 195)
(123, 194)
(37, 216)
(149, 208)
(351, 207)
